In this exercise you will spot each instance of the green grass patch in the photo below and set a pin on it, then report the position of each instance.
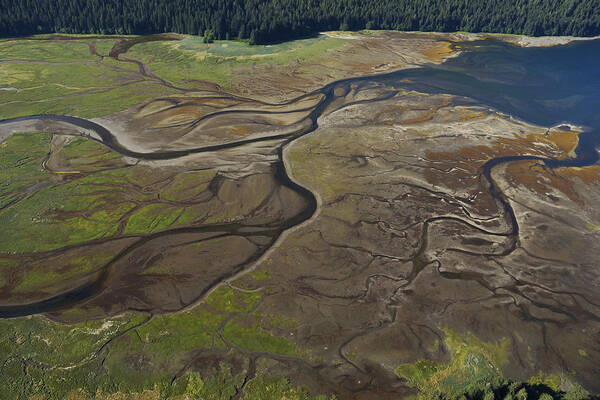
(167, 340)
(473, 372)
(261, 275)
(228, 300)
(63, 214)
(179, 66)
(231, 48)
(222, 385)
(474, 365)
(82, 151)
(40, 276)
(53, 79)
(88, 89)
(152, 218)
(274, 388)
(45, 50)
(38, 338)
(103, 46)
(68, 349)
(84, 103)
(34, 223)
(21, 157)
(144, 358)
(257, 339)
(187, 185)
(220, 61)
(88, 207)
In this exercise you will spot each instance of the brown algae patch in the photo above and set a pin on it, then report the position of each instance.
(410, 114)
(440, 51)
(455, 169)
(236, 132)
(544, 181)
(565, 140)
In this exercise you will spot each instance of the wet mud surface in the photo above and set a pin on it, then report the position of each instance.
(442, 196)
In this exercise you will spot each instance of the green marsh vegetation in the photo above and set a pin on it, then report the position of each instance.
(219, 62)
(40, 357)
(84, 206)
(474, 372)
(48, 51)
(63, 77)
(119, 354)
(43, 211)
(60, 75)
(21, 165)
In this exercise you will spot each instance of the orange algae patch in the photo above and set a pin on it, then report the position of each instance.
(308, 102)
(470, 159)
(461, 169)
(180, 105)
(566, 141)
(440, 51)
(154, 107)
(426, 116)
(467, 114)
(235, 132)
(543, 180)
(180, 115)
(396, 114)
(217, 103)
(562, 142)
(589, 175)
(241, 131)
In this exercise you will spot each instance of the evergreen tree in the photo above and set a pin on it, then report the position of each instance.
(275, 20)
(209, 36)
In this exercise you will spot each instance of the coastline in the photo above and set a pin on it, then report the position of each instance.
(517, 40)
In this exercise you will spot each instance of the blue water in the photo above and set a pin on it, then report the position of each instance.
(545, 86)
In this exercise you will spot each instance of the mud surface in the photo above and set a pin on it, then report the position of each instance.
(390, 206)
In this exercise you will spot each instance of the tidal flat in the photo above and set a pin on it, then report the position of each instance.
(365, 215)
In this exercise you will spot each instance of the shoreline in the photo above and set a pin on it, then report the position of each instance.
(517, 40)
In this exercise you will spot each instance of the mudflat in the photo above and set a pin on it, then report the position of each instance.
(360, 215)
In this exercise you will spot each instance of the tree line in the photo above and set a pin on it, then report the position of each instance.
(267, 21)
